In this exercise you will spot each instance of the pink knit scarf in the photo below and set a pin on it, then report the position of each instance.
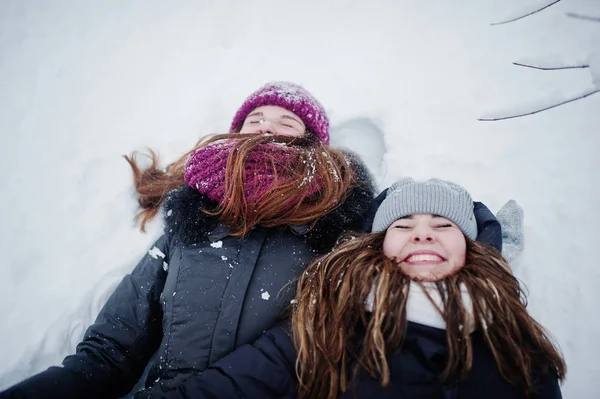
(205, 170)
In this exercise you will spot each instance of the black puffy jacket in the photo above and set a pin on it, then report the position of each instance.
(266, 370)
(198, 294)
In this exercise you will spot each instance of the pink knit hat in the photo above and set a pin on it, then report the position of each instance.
(292, 97)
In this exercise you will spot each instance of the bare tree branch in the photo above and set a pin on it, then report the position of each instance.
(526, 15)
(585, 17)
(550, 68)
(584, 95)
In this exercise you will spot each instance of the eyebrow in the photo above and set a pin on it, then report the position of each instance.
(255, 114)
(292, 118)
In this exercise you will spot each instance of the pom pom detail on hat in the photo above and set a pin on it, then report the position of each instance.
(292, 97)
(408, 197)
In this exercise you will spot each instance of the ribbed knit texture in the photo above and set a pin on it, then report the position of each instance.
(266, 166)
(292, 97)
(408, 197)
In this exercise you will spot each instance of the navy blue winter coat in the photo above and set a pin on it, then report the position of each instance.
(266, 370)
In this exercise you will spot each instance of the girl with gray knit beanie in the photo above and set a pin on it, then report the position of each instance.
(244, 213)
(416, 308)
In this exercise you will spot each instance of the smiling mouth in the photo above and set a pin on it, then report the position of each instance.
(424, 258)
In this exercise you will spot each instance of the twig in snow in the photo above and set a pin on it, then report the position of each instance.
(526, 15)
(550, 68)
(585, 17)
(540, 110)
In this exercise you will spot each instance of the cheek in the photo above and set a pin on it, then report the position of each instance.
(393, 245)
(248, 129)
(458, 251)
(387, 247)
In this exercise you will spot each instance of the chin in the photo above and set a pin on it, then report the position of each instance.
(430, 276)
(426, 278)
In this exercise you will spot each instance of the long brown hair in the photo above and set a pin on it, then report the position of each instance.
(330, 166)
(330, 310)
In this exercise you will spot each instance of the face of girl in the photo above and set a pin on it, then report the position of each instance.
(274, 120)
(427, 247)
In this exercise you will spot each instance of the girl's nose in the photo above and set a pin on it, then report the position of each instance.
(423, 236)
(266, 126)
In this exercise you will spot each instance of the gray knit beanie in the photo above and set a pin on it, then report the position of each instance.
(408, 197)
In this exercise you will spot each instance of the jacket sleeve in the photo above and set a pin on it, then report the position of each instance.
(488, 227)
(368, 223)
(115, 349)
(547, 386)
(265, 369)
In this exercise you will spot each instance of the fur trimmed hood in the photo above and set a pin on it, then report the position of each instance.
(184, 215)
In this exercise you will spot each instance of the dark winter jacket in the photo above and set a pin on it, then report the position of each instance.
(489, 230)
(266, 370)
(198, 294)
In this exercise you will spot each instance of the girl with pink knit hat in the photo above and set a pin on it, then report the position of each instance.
(244, 214)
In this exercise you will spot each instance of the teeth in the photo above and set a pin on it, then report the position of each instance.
(424, 258)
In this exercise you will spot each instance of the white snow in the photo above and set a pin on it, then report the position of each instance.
(217, 244)
(265, 295)
(86, 82)
(594, 63)
(370, 301)
(155, 253)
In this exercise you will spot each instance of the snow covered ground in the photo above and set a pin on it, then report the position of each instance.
(82, 83)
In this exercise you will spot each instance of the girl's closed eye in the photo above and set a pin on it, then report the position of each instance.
(400, 226)
(444, 225)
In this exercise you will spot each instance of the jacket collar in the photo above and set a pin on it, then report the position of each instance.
(185, 216)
